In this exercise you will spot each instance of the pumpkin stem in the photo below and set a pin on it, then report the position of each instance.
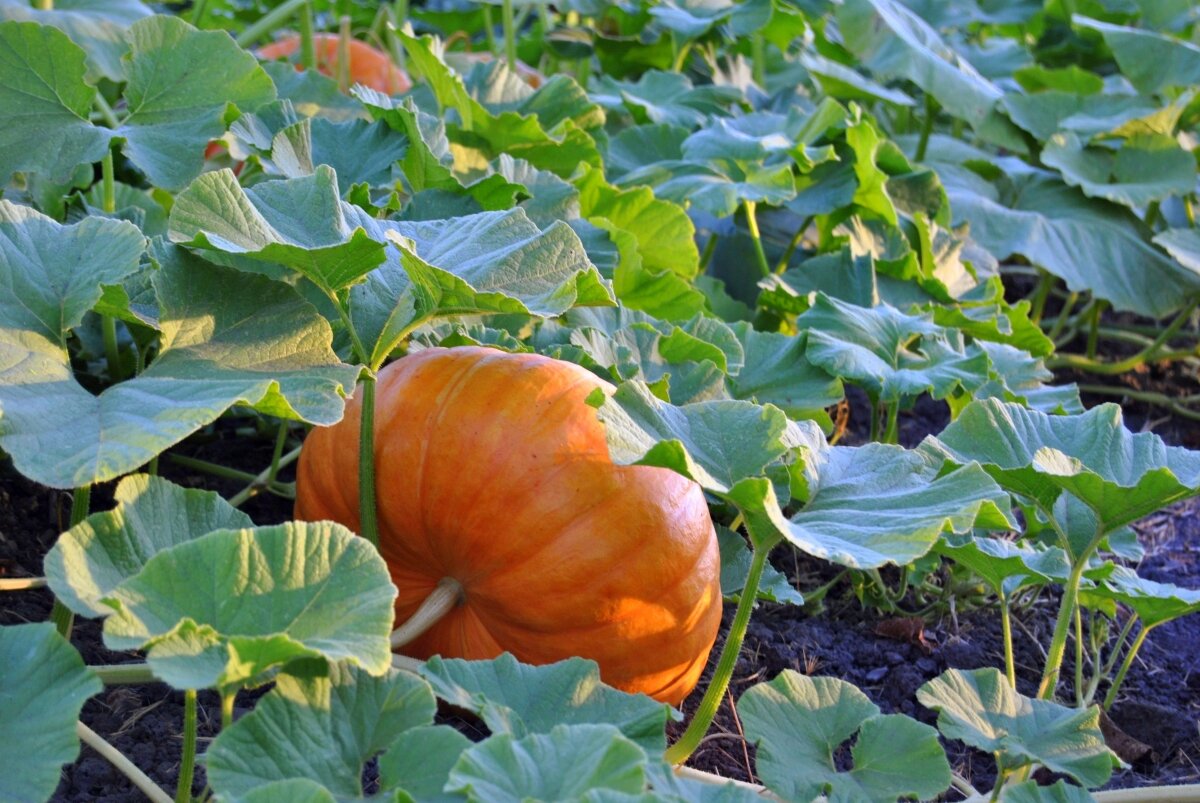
(447, 595)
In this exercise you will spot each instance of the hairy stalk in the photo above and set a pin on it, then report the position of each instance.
(114, 756)
(764, 270)
(1078, 658)
(1010, 665)
(1111, 697)
(1062, 625)
(183, 790)
(276, 456)
(782, 265)
(216, 469)
(510, 34)
(308, 50)
(1063, 316)
(227, 698)
(21, 583)
(268, 22)
(343, 55)
(259, 482)
(445, 597)
(715, 693)
(366, 464)
(891, 433)
(1040, 294)
(1094, 329)
(198, 9)
(681, 57)
(61, 615)
(926, 128)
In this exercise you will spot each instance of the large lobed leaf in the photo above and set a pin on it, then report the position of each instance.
(1119, 475)
(44, 689)
(273, 595)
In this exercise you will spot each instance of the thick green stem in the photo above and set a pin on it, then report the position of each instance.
(1063, 316)
(874, 435)
(1010, 666)
(926, 127)
(269, 22)
(1153, 351)
(1111, 697)
(758, 59)
(114, 756)
(198, 9)
(60, 614)
(124, 674)
(891, 433)
(782, 265)
(259, 482)
(764, 269)
(1094, 329)
(227, 698)
(1040, 294)
(681, 57)
(183, 790)
(510, 34)
(343, 55)
(1062, 626)
(489, 30)
(308, 49)
(108, 324)
(715, 693)
(216, 469)
(280, 442)
(44, 5)
(108, 196)
(1078, 658)
(1189, 211)
(366, 464)
(710, 246)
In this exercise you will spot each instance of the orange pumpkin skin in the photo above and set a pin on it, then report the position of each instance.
(369, 66)
(491, 469)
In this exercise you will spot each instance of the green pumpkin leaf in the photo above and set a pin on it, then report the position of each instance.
(664, 98)
(715, 443)
(878, 504)
(1032, 792)
(313, 94)
(1151, 61)
(777, 371)
(54, 273)
(419, 763)
(735, 567)
(151, 514)
(892, 355)
(298, 223)
(997, 560)
(893, 42)
(487, 262)
(1119, 475)
(520, 699)
(563, 764)
(44, 689)
(100, 27)
(1093, 246)
(1143, 170)
(46, 103)
(322, 729)
(181, 82)
(358, 151)
(1152, 602)
(276, 594)
(799, 722)
(980, 708)
(61, 435)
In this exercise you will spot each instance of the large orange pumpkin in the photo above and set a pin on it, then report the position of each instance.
(369, 66)
(492, 470)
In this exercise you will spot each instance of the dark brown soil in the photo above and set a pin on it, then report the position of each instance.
(1158, 705)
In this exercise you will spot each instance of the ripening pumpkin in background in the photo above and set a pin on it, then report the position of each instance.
(491, 469)
(369, 66)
